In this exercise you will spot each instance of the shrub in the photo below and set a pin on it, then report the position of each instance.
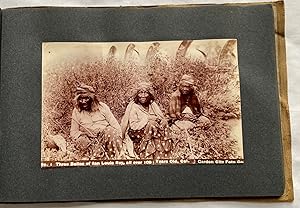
(217, 88)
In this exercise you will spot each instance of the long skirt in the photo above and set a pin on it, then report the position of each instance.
(152, 142)
(107, 145)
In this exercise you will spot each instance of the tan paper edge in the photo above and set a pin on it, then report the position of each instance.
(279, 20)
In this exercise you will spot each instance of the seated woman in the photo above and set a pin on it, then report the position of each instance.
(93, 123)
(146, 126)
(185, 109)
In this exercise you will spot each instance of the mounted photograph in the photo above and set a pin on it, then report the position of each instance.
(141, 103)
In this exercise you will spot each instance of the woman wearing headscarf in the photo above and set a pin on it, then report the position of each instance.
(145, 124)
(93, 123)
(184, 107)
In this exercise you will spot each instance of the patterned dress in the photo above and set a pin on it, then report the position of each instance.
(97, 128)
(149, 131)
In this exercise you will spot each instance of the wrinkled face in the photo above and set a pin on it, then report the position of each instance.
(143, 96)
(185, 88)
(85, 103)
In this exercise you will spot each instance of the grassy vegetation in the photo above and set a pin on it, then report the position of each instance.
(217, 87)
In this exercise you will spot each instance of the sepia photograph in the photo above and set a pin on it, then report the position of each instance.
(141, 103)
